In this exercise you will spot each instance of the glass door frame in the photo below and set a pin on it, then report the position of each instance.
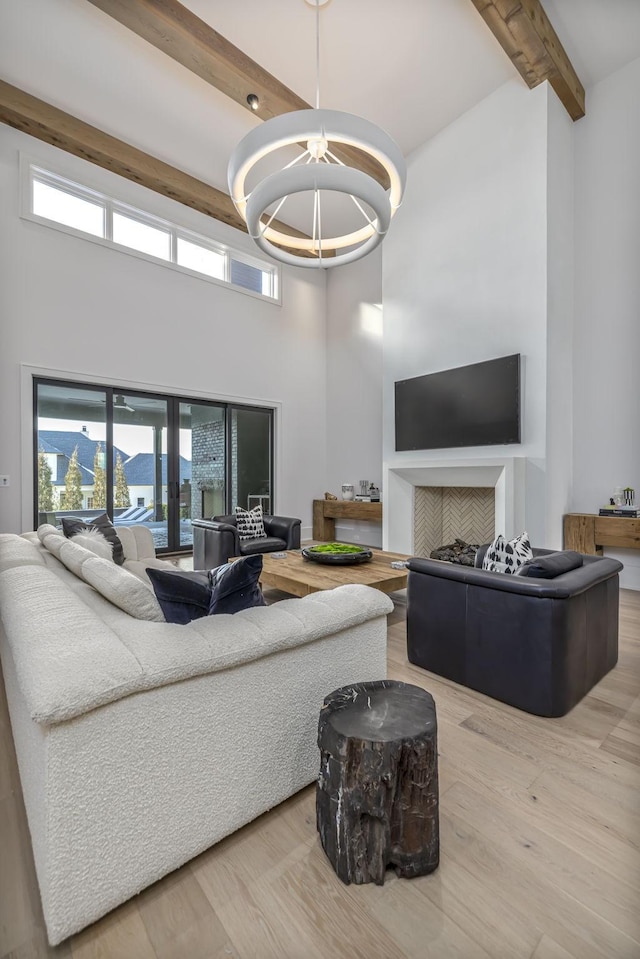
(173, 449)
(108, 392)
(246, 407)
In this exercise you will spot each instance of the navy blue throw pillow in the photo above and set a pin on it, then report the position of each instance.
(235, 586)
(183, 595)
(73, 524)
(548, 567)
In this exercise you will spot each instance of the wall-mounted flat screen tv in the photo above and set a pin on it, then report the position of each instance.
(477, 405)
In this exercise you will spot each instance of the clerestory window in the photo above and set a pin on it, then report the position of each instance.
(73, 208)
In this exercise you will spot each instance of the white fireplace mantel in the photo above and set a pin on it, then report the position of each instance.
(505, 474)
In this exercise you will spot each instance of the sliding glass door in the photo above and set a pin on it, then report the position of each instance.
(202, 470)
(251, 457)
(146, 458)
(140, 485)
(72, 474)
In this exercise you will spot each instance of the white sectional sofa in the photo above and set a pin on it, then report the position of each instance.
(141, 743)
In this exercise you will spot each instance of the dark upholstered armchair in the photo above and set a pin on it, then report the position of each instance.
(215, 540)
(538, 644)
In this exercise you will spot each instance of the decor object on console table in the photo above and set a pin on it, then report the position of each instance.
(216, 540)
(537, 644)
(347, 491)
(377, 792)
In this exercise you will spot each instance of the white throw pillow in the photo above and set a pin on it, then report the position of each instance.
(250, 523)
(123, 589)
(94, 541)
(507, 556)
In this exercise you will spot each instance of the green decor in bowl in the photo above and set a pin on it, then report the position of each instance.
(337, 554)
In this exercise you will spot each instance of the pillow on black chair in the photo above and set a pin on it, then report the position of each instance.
(72, 525)
(183, 595)
(250, 523)
(548, 567)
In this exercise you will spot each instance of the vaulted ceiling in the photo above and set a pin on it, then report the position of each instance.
(411, 66)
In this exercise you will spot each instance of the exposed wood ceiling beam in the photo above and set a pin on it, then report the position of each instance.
(524, 32)
(40, 119)
(179, 33)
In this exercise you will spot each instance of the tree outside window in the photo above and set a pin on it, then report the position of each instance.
(121, 498)
(45, 486)
(73, 483)
(100, 480)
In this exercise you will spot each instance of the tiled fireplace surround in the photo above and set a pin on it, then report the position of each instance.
(429, 503)
(445, 513)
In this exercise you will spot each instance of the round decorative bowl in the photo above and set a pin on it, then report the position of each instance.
(337, 554)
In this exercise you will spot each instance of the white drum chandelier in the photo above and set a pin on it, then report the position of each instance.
(315, 170)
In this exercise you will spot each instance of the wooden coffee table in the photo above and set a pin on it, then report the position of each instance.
(300, 576)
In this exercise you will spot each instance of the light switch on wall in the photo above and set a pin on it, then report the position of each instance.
(4, 480)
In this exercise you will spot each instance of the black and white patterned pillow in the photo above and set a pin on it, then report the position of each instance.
(507, 556)
(73, 524)
(250, 523)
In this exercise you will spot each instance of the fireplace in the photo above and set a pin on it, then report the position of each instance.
(437, 487)
(444, 514)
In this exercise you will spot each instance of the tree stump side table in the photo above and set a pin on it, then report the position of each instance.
(377, 791)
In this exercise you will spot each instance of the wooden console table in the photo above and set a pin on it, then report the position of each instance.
(587, 533)
(327, 511)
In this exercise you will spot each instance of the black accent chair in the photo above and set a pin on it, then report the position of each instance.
(215, 540)
(537, 644)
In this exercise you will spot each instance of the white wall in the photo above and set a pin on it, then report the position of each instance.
(354, 384)
(606, 448)
(70, 305)
(560, 315)
(465, 268)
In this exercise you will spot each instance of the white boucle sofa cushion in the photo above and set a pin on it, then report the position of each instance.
(17, 551)
(137, 542)
(31, 537)
(171, 653)
(139, 567)
(47, 528)
(54, 543)
(139, 552)
(67, 660)
(72, 555)
(122, 588)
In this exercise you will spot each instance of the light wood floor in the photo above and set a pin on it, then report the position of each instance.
(540, 850)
